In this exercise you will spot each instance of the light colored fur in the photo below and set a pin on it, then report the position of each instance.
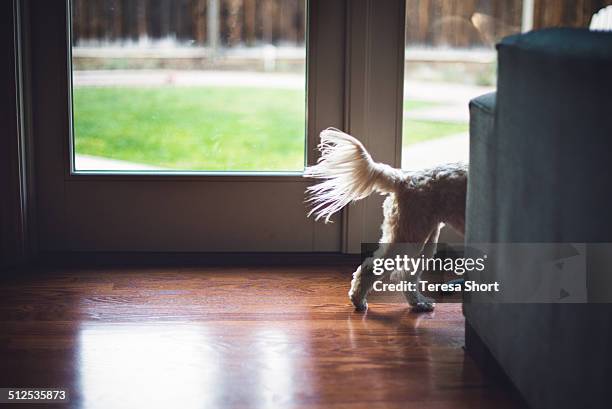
(416, 206)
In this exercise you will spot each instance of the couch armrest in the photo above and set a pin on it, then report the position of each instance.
(480, 212)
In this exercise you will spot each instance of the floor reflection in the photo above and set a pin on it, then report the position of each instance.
(275, 372)
(147, 366)
(233, 339)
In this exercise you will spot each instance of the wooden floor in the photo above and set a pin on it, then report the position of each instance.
(231, 338)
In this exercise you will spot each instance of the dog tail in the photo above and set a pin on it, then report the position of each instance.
(350, 174)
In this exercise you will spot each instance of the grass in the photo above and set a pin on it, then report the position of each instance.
(207, 128)
(416, 131)
(193, 128)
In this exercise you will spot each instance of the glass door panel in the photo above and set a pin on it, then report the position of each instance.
(190, 85)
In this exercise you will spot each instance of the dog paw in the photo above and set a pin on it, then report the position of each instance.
(360, 304)
(363, 306)
(423, 306)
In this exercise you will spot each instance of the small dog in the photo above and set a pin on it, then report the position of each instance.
(416, 207)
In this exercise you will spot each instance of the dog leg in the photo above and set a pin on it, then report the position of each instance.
(361, 285)
(418, 301)
(364, 278)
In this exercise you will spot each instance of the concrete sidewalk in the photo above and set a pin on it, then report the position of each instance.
(455, 148)
(178, 78)
(89, 163)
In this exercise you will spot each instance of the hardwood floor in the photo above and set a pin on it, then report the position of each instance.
(278, 337)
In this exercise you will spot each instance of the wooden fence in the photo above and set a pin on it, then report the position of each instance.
(468, 23)
(237, 21)
(454, 23)
(568, 13)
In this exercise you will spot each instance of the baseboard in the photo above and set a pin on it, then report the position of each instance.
(84, 259)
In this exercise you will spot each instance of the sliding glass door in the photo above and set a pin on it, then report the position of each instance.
(181, 125)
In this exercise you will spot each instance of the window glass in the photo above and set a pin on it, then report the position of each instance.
(193, 85)
(451, 58)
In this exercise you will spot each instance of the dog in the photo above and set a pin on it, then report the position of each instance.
(418, 204)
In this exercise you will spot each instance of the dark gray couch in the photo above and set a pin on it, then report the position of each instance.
(541, 171)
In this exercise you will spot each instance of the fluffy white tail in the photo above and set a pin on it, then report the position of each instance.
(350, 174)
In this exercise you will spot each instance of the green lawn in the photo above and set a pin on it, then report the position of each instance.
(206, 128)
(416, 131)
(192, 128)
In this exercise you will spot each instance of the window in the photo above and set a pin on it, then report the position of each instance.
(450, 58)
(190, 85)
